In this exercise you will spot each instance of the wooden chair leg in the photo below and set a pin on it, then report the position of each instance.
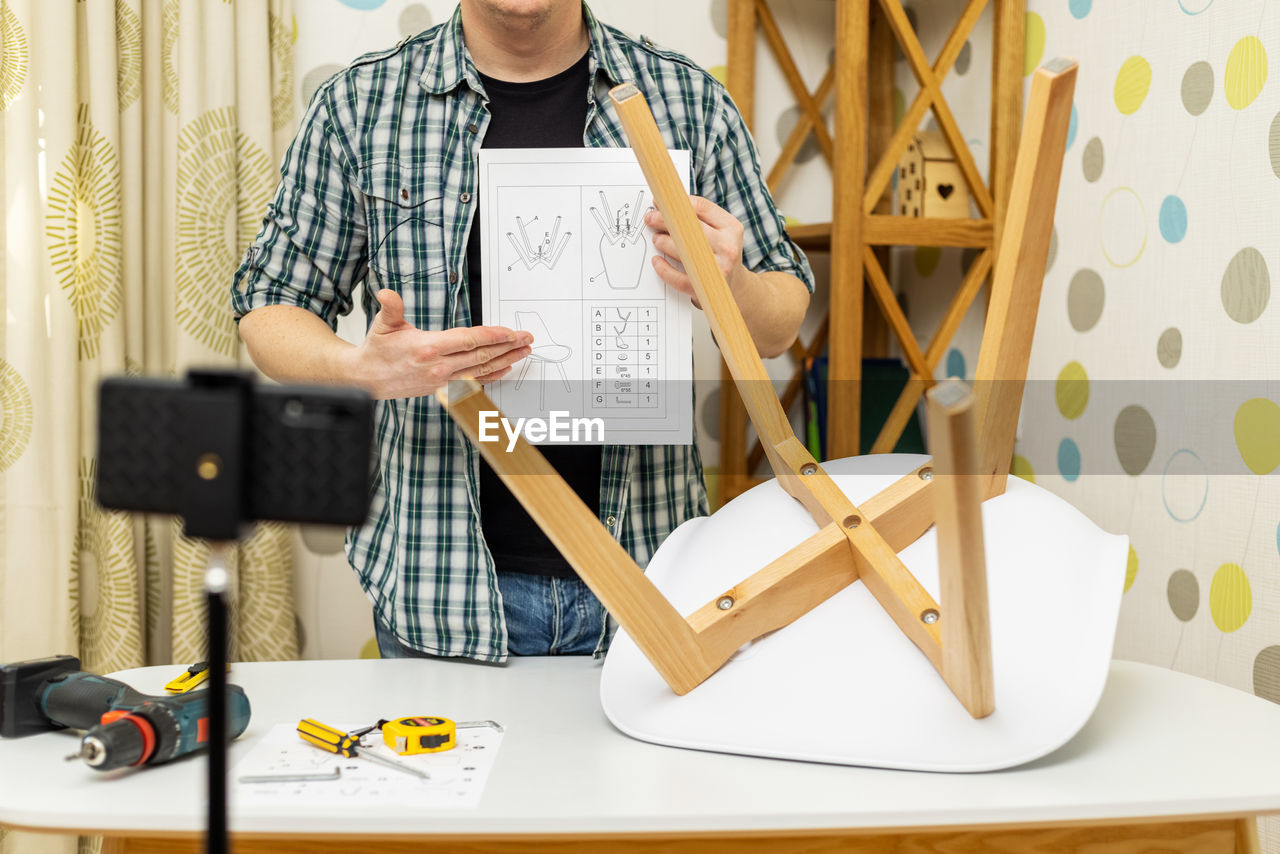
(962, 563)
(605, 567)
(1019, 268)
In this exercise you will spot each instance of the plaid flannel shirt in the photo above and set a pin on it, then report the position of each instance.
(377, 190)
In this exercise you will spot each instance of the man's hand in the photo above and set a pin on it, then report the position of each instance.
(772, 303)
(723, 232)
(396, 359)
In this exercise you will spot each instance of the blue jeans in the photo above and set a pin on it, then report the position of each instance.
(545, 616)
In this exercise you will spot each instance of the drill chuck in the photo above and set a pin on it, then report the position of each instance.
(127, 740)
(92, 751)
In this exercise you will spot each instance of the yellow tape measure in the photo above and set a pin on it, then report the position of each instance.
(407, 736)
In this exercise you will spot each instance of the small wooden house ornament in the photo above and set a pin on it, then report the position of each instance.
(929, 180)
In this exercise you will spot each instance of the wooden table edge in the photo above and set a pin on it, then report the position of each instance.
(1243, 825)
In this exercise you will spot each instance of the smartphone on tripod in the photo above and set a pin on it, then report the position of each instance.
(292, 453)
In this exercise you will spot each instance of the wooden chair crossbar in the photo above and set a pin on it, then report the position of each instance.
(852, 542)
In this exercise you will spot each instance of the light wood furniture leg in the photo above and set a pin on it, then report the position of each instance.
(741, 83)
(741, 66)
(880, 79)
(1019, 275)
(962, 560)
(1247, 841)
(1008, 51)
(844, 367)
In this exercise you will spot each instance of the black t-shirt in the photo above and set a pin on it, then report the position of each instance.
(550, 113)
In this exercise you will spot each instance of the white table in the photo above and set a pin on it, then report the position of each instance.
(1168, 761)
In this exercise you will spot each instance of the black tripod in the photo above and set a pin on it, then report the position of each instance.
(221, 451)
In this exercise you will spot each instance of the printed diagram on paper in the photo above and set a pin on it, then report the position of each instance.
(457, 776)
(567, 256)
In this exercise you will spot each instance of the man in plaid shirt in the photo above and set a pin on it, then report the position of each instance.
(380, 187)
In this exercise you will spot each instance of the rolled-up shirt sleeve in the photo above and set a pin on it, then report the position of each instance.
(731, 177)
(311, 251)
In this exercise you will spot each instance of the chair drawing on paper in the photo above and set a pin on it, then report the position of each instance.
(547, 353)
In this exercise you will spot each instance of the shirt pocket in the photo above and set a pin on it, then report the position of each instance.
(404, 210)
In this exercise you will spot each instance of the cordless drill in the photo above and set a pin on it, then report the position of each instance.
(122, 726)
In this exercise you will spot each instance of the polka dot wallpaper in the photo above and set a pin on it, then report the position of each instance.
(1153, 403)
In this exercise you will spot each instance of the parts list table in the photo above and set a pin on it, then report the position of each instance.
(624, 356)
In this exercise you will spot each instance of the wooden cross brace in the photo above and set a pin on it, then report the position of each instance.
(930, 96)
(852, 543)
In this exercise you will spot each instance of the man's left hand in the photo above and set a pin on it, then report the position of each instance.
(724, 233)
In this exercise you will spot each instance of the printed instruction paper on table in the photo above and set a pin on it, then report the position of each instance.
(458, 776)
(567, 256)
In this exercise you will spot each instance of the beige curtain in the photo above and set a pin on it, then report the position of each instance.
(140, 142)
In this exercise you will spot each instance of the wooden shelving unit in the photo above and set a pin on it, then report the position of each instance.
(863, 150)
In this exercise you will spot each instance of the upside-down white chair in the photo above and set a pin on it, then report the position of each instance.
(980, 636)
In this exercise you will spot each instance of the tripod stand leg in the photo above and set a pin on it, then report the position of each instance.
(216, 579)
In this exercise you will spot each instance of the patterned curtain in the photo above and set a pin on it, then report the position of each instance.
(140, 140)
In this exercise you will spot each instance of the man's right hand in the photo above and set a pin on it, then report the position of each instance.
(396, 359)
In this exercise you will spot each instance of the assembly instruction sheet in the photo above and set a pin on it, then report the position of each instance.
(567, 256)
(457, 776)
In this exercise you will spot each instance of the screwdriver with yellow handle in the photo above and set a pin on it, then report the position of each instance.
(348, 744)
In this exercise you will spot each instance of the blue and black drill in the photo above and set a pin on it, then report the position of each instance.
(122, 726)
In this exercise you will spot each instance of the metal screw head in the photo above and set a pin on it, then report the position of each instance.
(926, 473)
(725, 603)
(852, 522)
(808, 469)
(929, 617)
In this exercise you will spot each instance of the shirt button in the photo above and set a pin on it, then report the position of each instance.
(453, 277)
(472, 128)
(464, 198)
(611, 521)
(404, 194)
